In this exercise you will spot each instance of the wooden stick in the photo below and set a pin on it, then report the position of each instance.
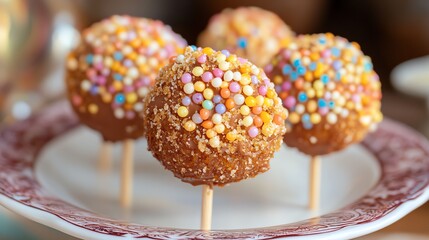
(206, 208)
(105, 158)
(315, 177)
(127, 173)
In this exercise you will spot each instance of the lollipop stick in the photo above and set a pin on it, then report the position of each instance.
(315, 172)
(105, 158)
(127, 173)
(206, 208)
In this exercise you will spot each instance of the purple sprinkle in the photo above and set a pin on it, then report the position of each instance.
(234, 87)
(186, 101)
(186, 78)
(220, 108)
(289, 102)
(217, 98)
(225, 52)
(197, 98)
(207, 76)
(196, 118)
(337, 64)
(254, 79)
(253, 131)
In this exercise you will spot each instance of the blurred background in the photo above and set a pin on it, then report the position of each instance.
(35, 36)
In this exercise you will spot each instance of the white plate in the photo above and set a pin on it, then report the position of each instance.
(412, 77)
(364, 188)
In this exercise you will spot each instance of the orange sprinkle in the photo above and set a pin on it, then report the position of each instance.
(207, 124)
(256, 110)
(205, 114)
(277, 119)
(225, 93)
(257, 121)
(229, 103)
(299, 83)
(283, 95)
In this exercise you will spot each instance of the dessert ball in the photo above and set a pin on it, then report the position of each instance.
(249, 32)
(330, 89)
(112, 69)
(214, 118)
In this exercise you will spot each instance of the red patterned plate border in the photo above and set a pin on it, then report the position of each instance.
(404, 185)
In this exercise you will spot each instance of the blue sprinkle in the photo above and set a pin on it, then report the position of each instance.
(297, 62)
(368, 67)
(287, 69)
(321, 103)
(94, 90)
(331, 104)
(322, 40)
(226, 53)
(337, 76)
(242, 42)
(119, 98)
(324, 78)
(89, 58)
(307, 125)
(293, 76)
(194, 48)
(301, 70)
(312, 66)
(302, 97)
(118, 77)
(306, 118)
(335, 52)
(118, 56)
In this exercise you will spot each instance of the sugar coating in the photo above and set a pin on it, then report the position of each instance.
(331, 90)
(113, 69)
(249, 32)
(203, 126)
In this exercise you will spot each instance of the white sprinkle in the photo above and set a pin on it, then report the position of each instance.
(228, 76)
(119, 113)
(300, 109)
(331, 118)
(85, 85)
(313, 139)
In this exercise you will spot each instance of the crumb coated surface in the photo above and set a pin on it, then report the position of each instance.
(249, 32)
(214, 118)
(331, 90)
(112, 70)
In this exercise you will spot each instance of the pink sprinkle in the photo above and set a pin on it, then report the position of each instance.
(186, 78)
(91, 73)
(286, 86)
(326, 53)
(77, 100)
(323, 111)
(234, 87)
(289, 102)
(356, 98)
(253, 131)
(268, 68)
(101, 80)
(130, 114)
(242, 60)
(207, 76)
(202, 58)
(328, 95)
(286, 54)
(262, 90)
(99, 66)
(217, 72)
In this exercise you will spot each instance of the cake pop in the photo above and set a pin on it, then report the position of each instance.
(110, 73)
(213, 118)
(332, 92)
(249, 32)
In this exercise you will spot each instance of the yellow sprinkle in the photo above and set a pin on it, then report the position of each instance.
(267, 129)
(224, 66)
(117, 85)
(208, 50)
(271, 94)
(92, 108)
(294, 118)
(189, 126)
(131, 97)
(199, 86)
(106, 97)
(248, 90)
(250, 101)
(219, 128)
(310, 93)
(311, 106)
(268, 102)
(245, 79)
(308, 76)
(278, 80)
(315, 118)
(214, 142)
(247, 121)
(183, 111)
(220, 58)
(231, 58)
(197, 71)
(244, 110)
(318, 85)
(208, 93)
(266, 117)
(231, 136)
(224, 84)
(211, 133)
(259, 101)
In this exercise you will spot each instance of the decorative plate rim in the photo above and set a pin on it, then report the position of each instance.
(403, 186)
